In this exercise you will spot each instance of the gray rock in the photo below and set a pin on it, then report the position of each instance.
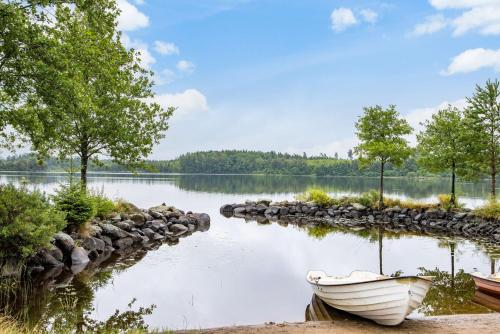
(228, 208)
(123, 243)
(157, 237)
(95, 230)
(64, 242)
(93, 244)
(460, 215)
(241, 210)
(358, 207)
(155, 214)
(148, 232)
(56, 253)
(203, 221)
(107, 240)
(264, 202)
(125, 225)
(115, 218)
(44, 258)
(178, 229)
(112, 231)
(138, 219)
(157, 224)
(79, 256)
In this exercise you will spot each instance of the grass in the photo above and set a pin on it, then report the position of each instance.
(11, 326)
(370, 199)
(490, 210)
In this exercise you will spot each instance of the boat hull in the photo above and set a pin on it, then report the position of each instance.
(385, 301)
(489, 286)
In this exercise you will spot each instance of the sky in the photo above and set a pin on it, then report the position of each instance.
(294, 76)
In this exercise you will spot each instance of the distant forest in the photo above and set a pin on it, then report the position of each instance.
(225, 162)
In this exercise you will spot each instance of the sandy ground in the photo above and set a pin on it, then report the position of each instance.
(482, 323)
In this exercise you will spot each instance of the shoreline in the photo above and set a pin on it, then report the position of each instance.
(429, 221)
(471, 323)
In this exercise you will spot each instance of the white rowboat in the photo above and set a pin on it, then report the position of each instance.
(383, 299)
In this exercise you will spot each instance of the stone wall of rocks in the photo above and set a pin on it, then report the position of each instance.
(432, 221)
(119, 234)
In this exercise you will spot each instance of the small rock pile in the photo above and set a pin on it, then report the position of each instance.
(119, 234)
(432, 221)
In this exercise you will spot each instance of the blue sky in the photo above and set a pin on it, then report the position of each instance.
(293, 76)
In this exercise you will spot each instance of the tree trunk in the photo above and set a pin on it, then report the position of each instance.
(452, 252)
(493, 181)
(381, 196)
(83, 167)
(453, 200)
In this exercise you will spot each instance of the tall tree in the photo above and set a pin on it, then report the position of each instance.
(381, 134)
(99, 101)
(24, 47)
(442, 146)
(482, 117)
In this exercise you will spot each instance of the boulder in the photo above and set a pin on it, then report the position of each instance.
(44, 258)
(202, 221)
(79, 256)
(95, 230)
(358, 207)
(123, 243)
(138, 219)
(264, 202)
(56, 253)
(112, 231)
(64, 242)
(148, 232)
(125, 225)
(227, 208)
(92, 244)
(178, 229)
(240, 210)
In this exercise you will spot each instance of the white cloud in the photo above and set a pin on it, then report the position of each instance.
(342, 18)
(473, 60)
(165, 77)
(166, 48)
(369, 15)
(139, 2)
(482, 16)
(130, 17)
(430, 25)
(185, 66)
(188, 102)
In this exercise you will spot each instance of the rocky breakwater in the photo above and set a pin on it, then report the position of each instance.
(429, 221)
(119, 234)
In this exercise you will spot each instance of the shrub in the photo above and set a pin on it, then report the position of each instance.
(317, 196)
(75, 203)
(369, 198)
(103, 206)
(27, 221)
(491, 210)
(123, 206)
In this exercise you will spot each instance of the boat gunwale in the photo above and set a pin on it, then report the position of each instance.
(425, 278)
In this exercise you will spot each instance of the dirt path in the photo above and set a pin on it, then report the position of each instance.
(456, 324)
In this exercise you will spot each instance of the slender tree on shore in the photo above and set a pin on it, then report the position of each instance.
(381, 134)
(442, 147)
(482, 118)
(98, 100)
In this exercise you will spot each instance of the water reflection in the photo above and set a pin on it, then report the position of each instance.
(272, 184)
(197, 283)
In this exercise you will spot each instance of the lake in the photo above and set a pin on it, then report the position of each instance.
(246, 273)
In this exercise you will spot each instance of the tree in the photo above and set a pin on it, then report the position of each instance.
(381, 134)
(442, 147)
(98, 101)
(24, 47)
(336, 156)
(349, 154)
(482, 118)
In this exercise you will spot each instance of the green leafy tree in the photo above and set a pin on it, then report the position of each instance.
(381, 134)
(482, 117)
(98, 101)
(441, 145)
(24, 48)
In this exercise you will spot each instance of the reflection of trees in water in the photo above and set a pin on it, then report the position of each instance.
(450, 295)
(67, 305)
(258, 184)
(272, 184)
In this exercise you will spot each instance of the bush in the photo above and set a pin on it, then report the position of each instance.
(491, 210)
(27, 221)
(103, 206)
(317, 196)
(122, 206)
(75, 203)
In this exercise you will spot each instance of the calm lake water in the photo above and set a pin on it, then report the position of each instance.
(245, 273)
